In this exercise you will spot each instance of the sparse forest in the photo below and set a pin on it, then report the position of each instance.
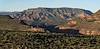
(30, 40)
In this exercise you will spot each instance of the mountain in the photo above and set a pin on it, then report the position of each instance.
(83, 20)
(8, 13)
(5, 13)
(49, 15)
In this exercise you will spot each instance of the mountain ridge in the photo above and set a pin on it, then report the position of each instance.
(51, 15)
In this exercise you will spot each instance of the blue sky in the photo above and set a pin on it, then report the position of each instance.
(19, 5)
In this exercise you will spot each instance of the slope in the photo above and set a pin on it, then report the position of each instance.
(6, 23)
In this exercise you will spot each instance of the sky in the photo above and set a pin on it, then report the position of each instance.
(20, 5)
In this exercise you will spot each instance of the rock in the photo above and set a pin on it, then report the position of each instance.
(72, 23)
(36, 30)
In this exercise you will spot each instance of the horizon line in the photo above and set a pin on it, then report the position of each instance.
(47, 7)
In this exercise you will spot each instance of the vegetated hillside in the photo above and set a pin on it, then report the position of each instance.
(50, 15)
(28, 40)
(6, 23)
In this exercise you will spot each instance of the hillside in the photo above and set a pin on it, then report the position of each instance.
(91, 27)
(6, 23)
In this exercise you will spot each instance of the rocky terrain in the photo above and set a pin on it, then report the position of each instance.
(50, 15)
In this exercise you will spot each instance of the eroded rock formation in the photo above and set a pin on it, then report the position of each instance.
(50, 15)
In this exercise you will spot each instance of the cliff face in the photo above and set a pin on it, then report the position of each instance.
(49, 15)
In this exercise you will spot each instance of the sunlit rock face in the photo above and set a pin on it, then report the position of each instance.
(72, 23)
(50, 15)
(89, 32)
